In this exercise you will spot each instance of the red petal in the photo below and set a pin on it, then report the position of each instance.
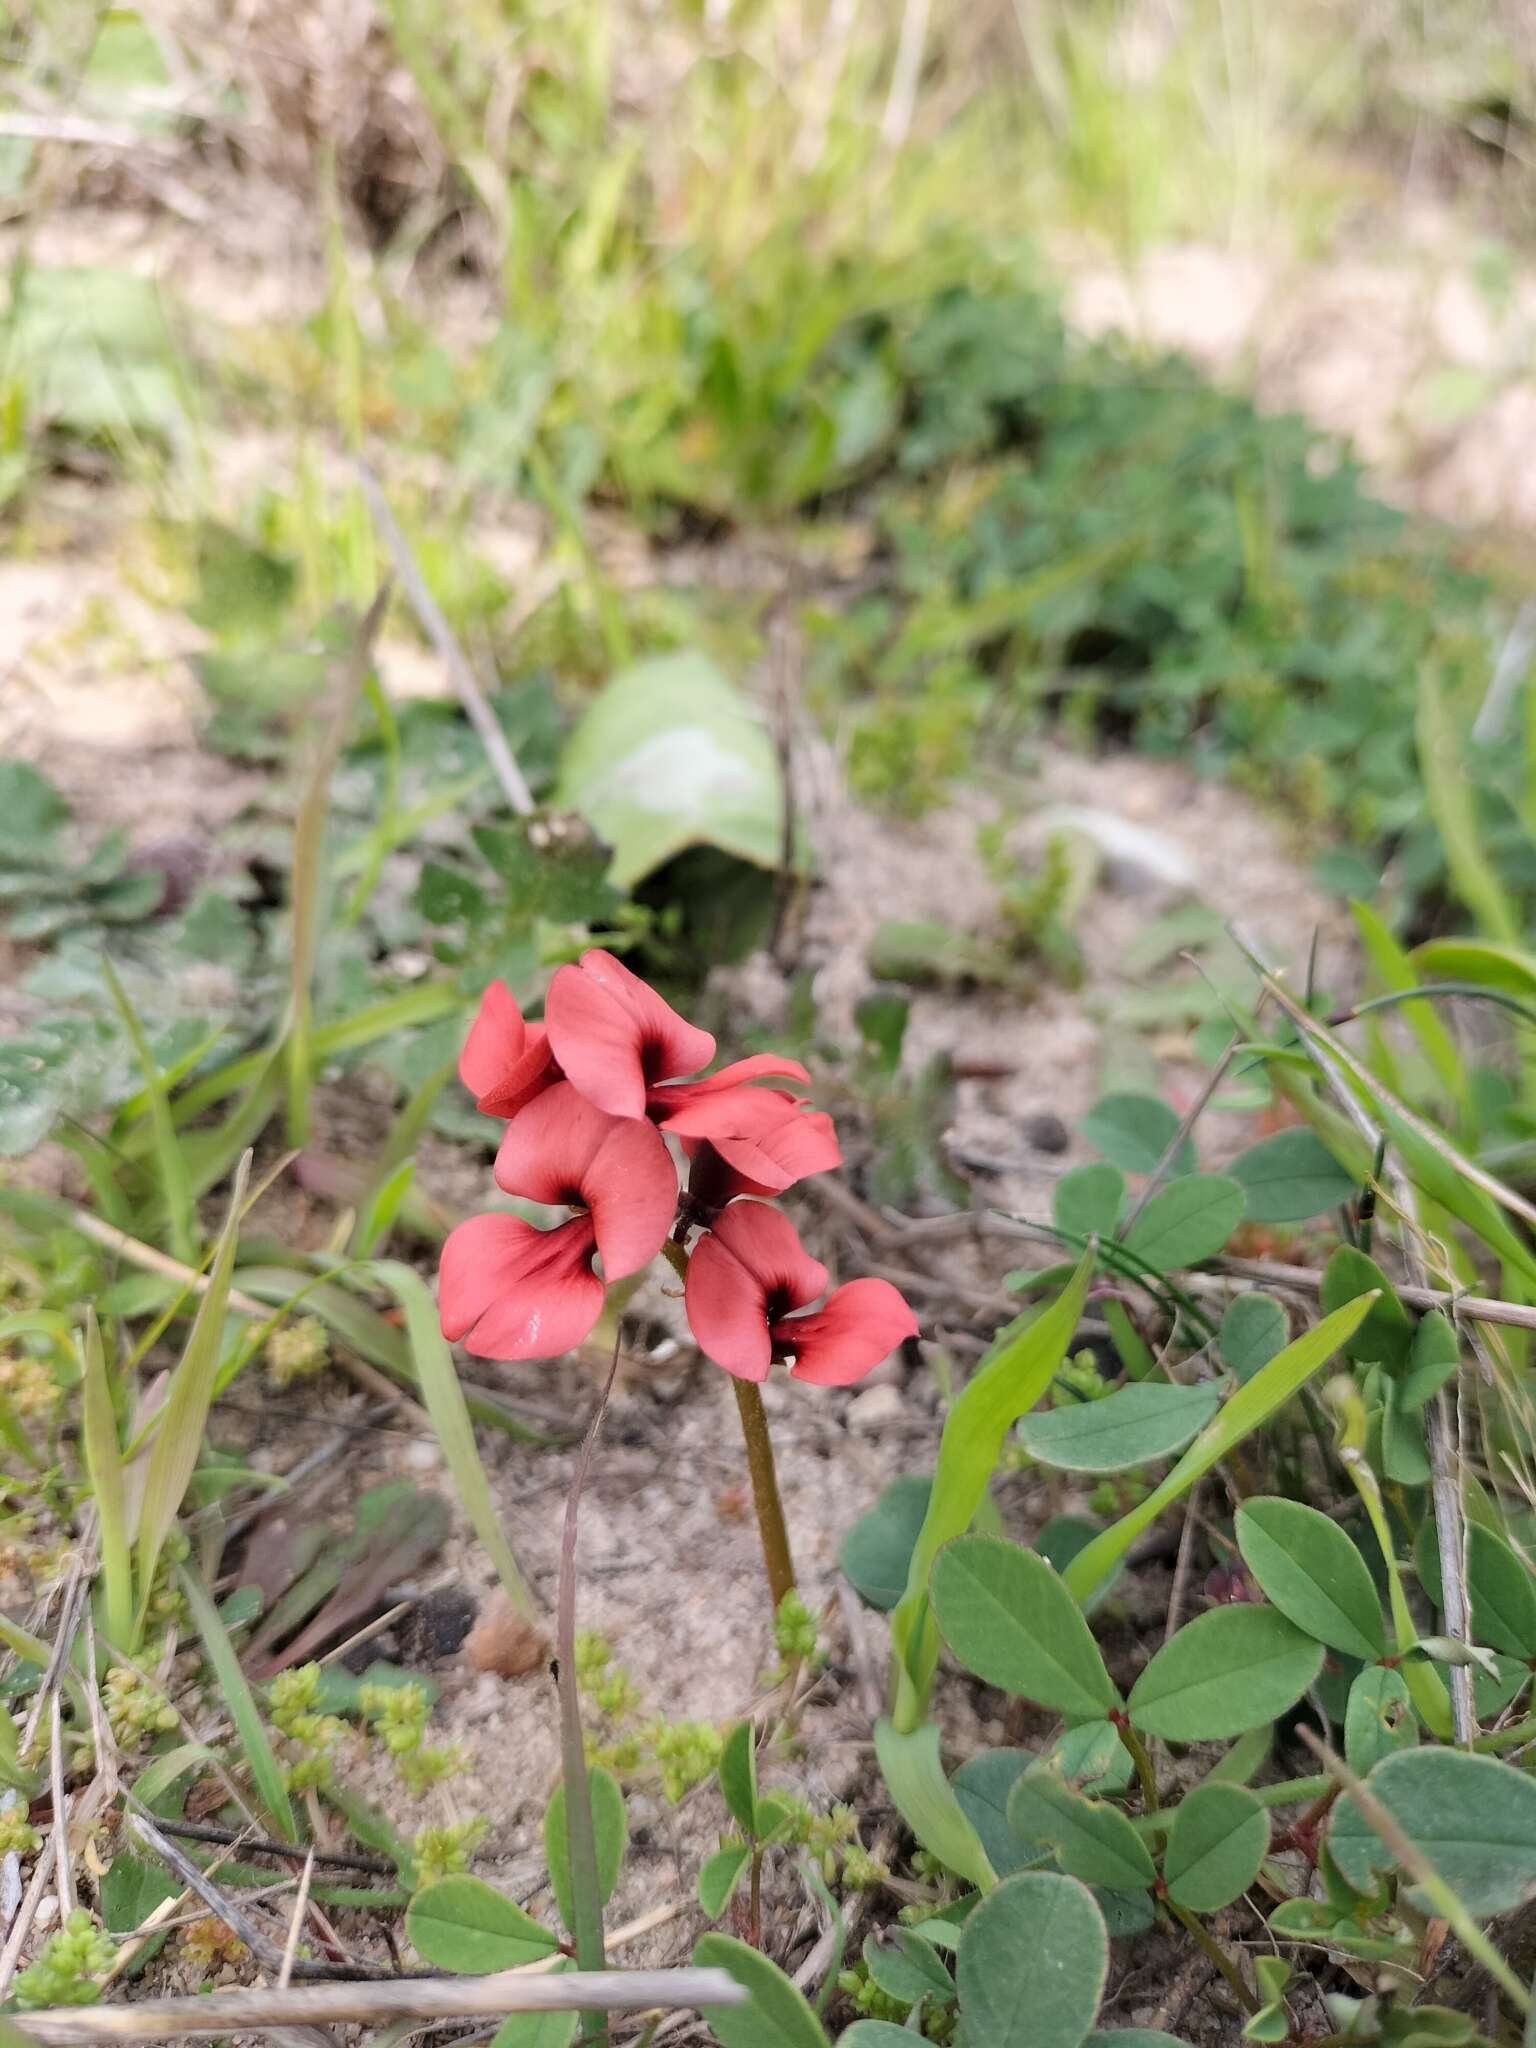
(836, 1345)
(711, 1182)
(562, 1150)
(763, 1133)
(752, 1254)
(500, 1048)
(510, 1291)
(762, 1066)
(614, 1036)
(548, 1148)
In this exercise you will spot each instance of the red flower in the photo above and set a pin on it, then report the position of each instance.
(767, 1137)
(746, 1276)
(614, 1037)
(506, 1062)
(512, 1291)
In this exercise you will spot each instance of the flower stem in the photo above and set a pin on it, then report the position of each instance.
(765, 1490)
(1217, 1955)
(1137, 1751)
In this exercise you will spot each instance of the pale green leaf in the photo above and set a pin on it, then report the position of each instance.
(1133, 1426)
(1232, 1669)
(1031, 1964)
(1313, 1573)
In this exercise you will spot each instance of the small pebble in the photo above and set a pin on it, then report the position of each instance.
(422, 1455)
(1047, 1133)
(47, 1910)
(875, 1409)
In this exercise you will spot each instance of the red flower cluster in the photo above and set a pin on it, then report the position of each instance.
(588, 1094)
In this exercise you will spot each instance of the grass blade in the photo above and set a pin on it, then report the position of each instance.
(179, 1438)
(104, 1468)
(266, 1775)
(175, 1187)
(1250, 1407)
(445, 1403)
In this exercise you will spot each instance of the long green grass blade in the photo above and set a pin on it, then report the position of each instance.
(179, 1438)
(104, 1468)
(445, 1403)
(1397, 974)
(1451, 802)
(175, 1187)
(1002, 1389)
(1249, 1408)
(237, 1696)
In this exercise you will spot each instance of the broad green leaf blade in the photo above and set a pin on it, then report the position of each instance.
(982, 1785)
(1290, 1177)
(1248, 1409)
(1308, 1567)
(538, 2029)
(1218, 1838)
(1134, 1131)
(903, 1965)
(876, 1554)
(923, 1796)
(1130, 1427)
(1187, 1221)
(1007, 1616)
(1004, 1387)
(869, 2034)
(1433, 1357)
(1500, 1588)
(738, 1775)
(184, 1416)
(1253, 1331)
(1378, 1719)
(1093, 1840)
(445, 1403)
(610, 1829)
(1397, 973)
(104, 1467)
(719, 1876)
(1472, 1817)
(669, 755)
(1031, 1964)
(235, 1692)
(1087, 1201)
(1223, 1673)
(463, 1925)
(1386, 1333)
(774, 2016)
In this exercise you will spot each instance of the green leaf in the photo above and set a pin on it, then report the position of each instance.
(875, 2034)
(538, 2029)
(876, 1554)
(1010, 1619)
(903, 1965)
(1253, 1331)
(1499, 1586)
(461, 1924)
(719, 1876)
(738, 1775)
(104, 1467)
(1093, 1841)
(1092, 1758)
(610, 1827)
(1251, 1406)
(1031, 1964)
(1218, 1838)
(1433, 1357)
(981, 1786)
(1132, 1426)
(1131, 2037)
(1088, 1201)
(1223, 1673)
(1009, 1381)
(1397, 973)
(236, 1696)
(1378, 1718)
(1290, 1177)
(1134, 1131)
(1313, 1573)
(670, 755)
(774, 2016)
(1472, 1817)
(1384, 1336)
(1187, 1221)
(923, 1796)
(32, 813)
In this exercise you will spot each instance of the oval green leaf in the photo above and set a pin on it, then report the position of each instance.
(1032, 1962)
(903, 1965)
(1378, 1718)
(925, 1799)
(1499, 1586)
(1187, 1221)
(875, 2034)
(1130, 1427)
(609, 1827)
(1092, 1840)
(774, 2015)
(1218, 1838)
(1087, 1201)
(719, 1876)
(1384, 1336)
(1134, 1131)
(1253, 1331)
(738, 1775)
(463, 1925)
(1290, 1177)
(1432, 1358)
(1008, 1617)
(982, 1785)
(1131, 2037)
(1224, 1673)
(1472, 1817)
(1312, 1572)
(876, 1554)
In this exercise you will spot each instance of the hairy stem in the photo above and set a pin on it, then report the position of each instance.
(765, 1490)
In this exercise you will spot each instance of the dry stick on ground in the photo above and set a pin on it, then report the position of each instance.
(248, 1845)
(1472, 1308)
(429, 614)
